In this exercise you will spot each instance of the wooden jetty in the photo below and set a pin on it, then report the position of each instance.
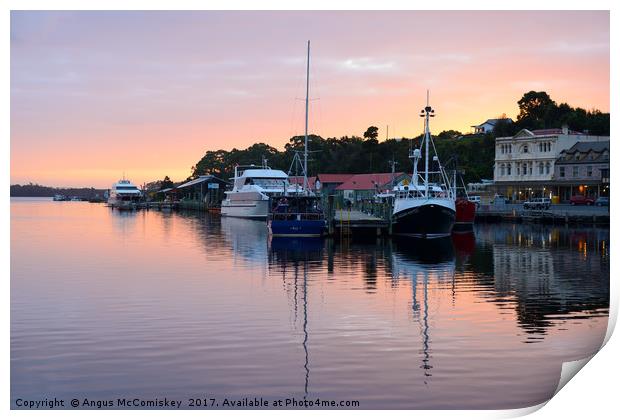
(347, 222)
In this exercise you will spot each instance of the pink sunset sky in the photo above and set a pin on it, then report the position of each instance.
(96, 94)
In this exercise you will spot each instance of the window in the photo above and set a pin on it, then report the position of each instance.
(508, 167)
(589, 171)
(562, 172)
(547, 168)
(525, 149)
(530, 166)
(575, 171)
(524, 169)
(540, 147)
(541, 168)
(518, 169)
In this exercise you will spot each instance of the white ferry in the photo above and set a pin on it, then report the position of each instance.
(124, 195)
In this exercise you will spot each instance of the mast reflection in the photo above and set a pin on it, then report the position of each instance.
(304, 252)
(424, 259)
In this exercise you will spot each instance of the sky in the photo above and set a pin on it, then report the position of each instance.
(99, 94)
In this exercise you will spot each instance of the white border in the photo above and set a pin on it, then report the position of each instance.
(592, 394)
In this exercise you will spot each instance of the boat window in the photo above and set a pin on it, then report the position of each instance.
(269, 182)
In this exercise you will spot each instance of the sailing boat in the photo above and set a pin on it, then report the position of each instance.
(426, 207)
(299, 213)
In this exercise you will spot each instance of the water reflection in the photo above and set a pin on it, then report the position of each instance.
(299, 254)
(480, 320)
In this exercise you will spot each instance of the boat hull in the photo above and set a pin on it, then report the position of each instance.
(465, 215)
(255, 209)
(297, 228)
(424, 221)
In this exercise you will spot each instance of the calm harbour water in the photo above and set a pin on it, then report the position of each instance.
(148, 304)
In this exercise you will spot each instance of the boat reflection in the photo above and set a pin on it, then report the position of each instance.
(423, 261)
(299, 256)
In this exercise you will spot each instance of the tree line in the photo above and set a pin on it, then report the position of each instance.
(35, 190)
(474, 153)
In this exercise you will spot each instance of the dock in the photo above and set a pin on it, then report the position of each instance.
(346, 222)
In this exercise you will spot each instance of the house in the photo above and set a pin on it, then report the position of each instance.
(329, 182)
(366, 186)
(489, 125)
(525, 163)
(583, 169)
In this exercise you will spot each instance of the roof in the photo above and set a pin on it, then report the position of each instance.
(299, 180)
(368, 181)
(264, 173)
(524, 132)
(598, 147)
(493, 121)
(334, 178)
(200, 179)
(548, 131)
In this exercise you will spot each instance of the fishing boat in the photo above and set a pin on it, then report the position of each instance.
(299, 212)
(124, 195)
(425, 207)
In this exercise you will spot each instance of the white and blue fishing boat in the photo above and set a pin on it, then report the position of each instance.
(299, 212)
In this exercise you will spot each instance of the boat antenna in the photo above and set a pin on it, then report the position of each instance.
(306, 130)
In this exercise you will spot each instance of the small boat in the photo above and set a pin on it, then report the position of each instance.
(465, 214)
(60, 197)
(299, 213)
(426, 207)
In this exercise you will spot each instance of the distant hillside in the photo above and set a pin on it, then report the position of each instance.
(35, 190)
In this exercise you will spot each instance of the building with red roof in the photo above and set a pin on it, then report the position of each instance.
(365, 186)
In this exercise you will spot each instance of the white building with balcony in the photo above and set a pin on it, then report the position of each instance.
(525, 162)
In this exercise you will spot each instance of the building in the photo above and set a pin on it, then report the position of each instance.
(583, 169)
(364, 186)
(525, 163)
(299, 180)
(205, 190)
(489, 125)
(329, 182)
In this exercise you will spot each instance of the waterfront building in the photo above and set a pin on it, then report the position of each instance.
(583, 169)
(204, 190)
(489, 125)
(525, 163)
(365, 186)
(329, 182)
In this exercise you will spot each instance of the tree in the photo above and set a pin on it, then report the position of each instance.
(535, 109)
(372, 133)
(449, 134)
(166, 183)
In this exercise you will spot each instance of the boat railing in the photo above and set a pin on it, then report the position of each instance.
(297, 216)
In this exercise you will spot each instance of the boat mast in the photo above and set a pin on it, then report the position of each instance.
(306, 131)
(427, 112)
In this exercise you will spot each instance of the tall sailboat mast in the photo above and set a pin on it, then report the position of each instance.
(306, 131)
(426, 147)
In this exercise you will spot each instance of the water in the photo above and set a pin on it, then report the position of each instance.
(149, 304)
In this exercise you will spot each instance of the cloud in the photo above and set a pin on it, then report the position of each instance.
(367, 64)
